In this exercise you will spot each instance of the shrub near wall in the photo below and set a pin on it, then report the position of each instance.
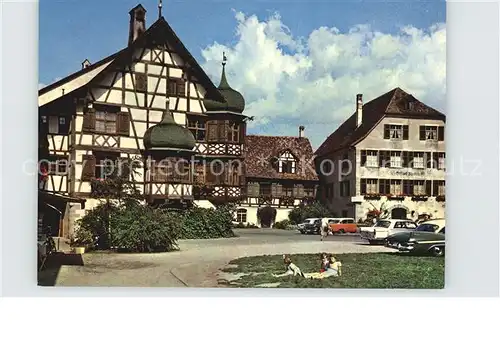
(207, 223)
(144, 229)
(139, 228)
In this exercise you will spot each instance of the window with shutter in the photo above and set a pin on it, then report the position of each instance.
(422, 132)
(243, 132)
(387, 131)
(89, 121)
(88, 168)
(141, 82)
(242, 173)
(123, 123)
(279, 190)
(406, 132)
(212, 131)
(440, 133)
(363, 158)
(428, 189)
(176, 87)
(222, 130)
(181, 87)
(299, 191)
(256, 189)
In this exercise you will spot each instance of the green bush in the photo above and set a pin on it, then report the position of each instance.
(140, 228)
(314, 210)
(284, 224)
(206, 223)
(134, 227)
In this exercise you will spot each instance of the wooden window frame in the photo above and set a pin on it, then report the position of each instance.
(60, 122)
(141, 82)
(176, 87)
(122, 120)
(233, 131)
(427, 130)
(393, 159)
(100, 158)
(396, 132)
(263, 189)
(345, 188)
(241, 215)
(198, 127)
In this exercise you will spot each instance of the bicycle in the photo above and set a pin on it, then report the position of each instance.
(50, 248)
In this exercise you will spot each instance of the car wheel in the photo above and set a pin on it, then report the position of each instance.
(437, 251)
(341, 231)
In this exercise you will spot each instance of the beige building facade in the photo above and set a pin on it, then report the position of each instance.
(389, 156)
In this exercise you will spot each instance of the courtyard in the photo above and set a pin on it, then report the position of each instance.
(198, 263)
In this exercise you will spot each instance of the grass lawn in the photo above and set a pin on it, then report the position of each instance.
(359, 270)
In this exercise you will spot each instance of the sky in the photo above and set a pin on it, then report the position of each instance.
(296, 62)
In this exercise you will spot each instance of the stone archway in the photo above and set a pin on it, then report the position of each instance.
(399, 212)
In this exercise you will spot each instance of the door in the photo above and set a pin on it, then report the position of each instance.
(399, 213)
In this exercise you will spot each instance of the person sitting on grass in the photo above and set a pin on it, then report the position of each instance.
(330, 267)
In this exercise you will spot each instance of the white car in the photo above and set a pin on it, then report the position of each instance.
(306, 221)
(385, 227)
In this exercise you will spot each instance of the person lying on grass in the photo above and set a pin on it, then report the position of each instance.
(291, 268)
(330, 267)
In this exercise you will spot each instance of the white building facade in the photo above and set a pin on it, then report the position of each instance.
(389, 156)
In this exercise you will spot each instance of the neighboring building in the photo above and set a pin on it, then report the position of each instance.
(279, 173)
(396, 146)
(107, 111)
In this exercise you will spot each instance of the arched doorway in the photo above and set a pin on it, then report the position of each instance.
(399, 213)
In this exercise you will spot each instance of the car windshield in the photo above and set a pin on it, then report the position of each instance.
(427, 227)
(383, 224)
(333, 221)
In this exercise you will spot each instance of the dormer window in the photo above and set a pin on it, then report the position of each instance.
(286, 163)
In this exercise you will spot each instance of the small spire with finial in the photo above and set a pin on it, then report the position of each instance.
(159, 8)
(167, 117)
(224, 59)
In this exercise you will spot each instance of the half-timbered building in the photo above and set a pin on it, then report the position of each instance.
(280, 173)
(115, 110)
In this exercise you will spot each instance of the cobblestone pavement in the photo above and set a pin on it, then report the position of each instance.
(198, 261)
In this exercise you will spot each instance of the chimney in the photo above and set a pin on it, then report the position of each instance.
(301, 131)
(85, 63)
(137, 23)
(359, 109)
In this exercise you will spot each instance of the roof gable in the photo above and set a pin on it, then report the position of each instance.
(159, 29)
(396, 102)
(262, 150)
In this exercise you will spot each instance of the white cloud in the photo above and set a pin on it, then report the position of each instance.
(288, 81)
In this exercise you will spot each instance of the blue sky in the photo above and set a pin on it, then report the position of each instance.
(71, 31)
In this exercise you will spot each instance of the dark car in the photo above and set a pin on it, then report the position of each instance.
(312, 228)
(427, 238)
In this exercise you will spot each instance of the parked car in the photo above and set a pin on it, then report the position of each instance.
(383, 228)
(302, 225)
(344, 225)
(313, 228)
(427, 238)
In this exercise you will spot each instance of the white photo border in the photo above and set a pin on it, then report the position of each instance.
(472, 260)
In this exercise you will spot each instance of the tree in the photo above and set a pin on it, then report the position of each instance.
(313, 210)
(116, 190)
